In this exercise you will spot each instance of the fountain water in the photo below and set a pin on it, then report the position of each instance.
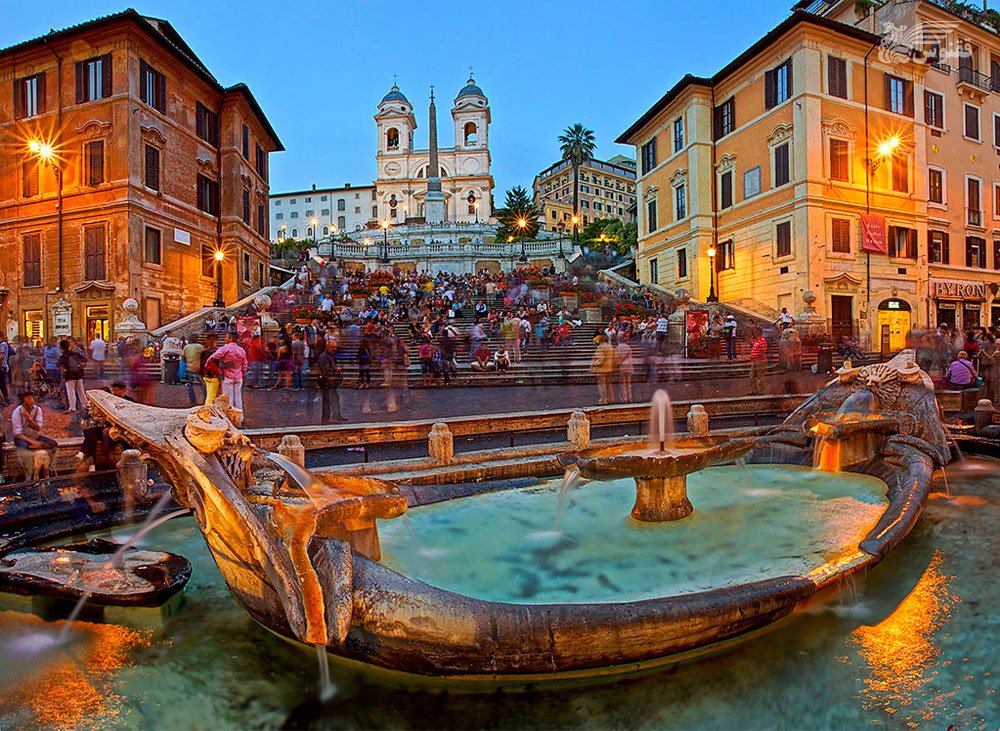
(570, 481)
(661, 421)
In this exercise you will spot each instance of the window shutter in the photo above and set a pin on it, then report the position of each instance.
(41, 93)
(790, 82)
(201, 193)
(19, 98)
(770, 88)
(887, 81)
(161, 92)
(105, 75)
(718, 122)
(908, 98)
(911, 243)
(143, 75)
(945, 255)
(95, 162)
(81, 82)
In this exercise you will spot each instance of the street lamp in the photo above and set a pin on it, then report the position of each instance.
(46, 154)
(522, 223)
(219, 256)
(561, 228)
(711, 275)
(385, 241)
(576, 230)
(885, 149)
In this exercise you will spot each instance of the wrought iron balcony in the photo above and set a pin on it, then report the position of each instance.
(974, 78)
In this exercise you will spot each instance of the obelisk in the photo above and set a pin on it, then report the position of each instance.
(434, 204)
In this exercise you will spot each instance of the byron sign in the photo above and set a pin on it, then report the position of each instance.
(958, 290)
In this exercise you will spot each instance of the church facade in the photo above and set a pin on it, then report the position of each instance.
(464, 168)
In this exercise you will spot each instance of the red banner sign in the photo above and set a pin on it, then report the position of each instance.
(873, 233)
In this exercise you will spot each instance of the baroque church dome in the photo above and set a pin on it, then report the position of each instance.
(395, 95)
(470, 89)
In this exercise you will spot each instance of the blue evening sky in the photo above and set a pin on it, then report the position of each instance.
(319, 69)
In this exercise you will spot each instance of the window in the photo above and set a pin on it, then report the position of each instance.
(935, 185)
(680, 200)
(341, 205)
(322, 197)
(152, 168)
(996, 200)
(208, 195)
(32, 260)
(682, 263)
(678, 134)
(726, 189)
(975, 252)
(898, 95)
(971, 122)
(726, 258)
(29, 96)
(342, 222)
(778, 84)
(654, 271)
(902, 242)
(781, 165)
(294, 214)
(260, 273)
(246, 206)
(725, 118)
(153, 249)
(374, 211)
(783, 238)
(93, 253)
(152, 87)
(93, 155)
(840, 236)
(839, 168)
(29, 178)
(326, 230)
(207, 124)
(295, 232)
(651, 222)
(934, 109)
(996, 128)
(279, 216)
(260, 161)
(246, 266)
(93, 79)
(937, 247)
(309, 200)
(648, 154)
(974, 201)
(836, 76)
(245, 145)
(900, 173)
(261, 220)
(392, 138)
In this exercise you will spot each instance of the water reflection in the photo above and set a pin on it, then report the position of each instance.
(902, 650)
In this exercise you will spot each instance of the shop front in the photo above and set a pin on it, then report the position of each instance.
(894, 322)
(956, 303)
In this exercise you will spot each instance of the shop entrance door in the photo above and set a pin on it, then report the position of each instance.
(97, 322)
(841, 317)
(971, 317)
(894, 320)
(946, 315)
(995, 316)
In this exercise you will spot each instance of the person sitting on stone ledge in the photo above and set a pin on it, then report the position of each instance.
(27, 423)
(961, 374)
(501, 359)
(481, 360)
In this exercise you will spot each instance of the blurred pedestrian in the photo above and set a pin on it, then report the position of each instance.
(758, 363)
(603, 367)
(71, 364)
(232, 359)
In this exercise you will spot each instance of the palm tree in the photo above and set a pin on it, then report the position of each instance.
(577, 145)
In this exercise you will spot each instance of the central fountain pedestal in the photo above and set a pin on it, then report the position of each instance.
(658, 499)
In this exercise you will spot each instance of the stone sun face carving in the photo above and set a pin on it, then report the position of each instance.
(882, 381)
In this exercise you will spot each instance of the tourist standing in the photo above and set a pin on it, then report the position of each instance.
(298, 360)
(192, 364)
(6, 353)
(98, 353)
(71, 363)
(989, 354)
(662, 327)
(232, 359)
(211, 374)
(625, 368)
(729, 334)
(758, 363)
(330, 378)
(603, 366)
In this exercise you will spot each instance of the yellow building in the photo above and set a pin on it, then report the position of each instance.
(607, 190)
(959, 107)
(752, 184)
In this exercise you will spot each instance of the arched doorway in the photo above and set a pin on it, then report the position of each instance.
(894, 322)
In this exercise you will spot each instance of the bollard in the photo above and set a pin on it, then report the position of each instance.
(697, 421)
(291, 448)
(983, 414)
(578, 430)
(441, 444)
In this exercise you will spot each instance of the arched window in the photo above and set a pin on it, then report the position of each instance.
(295, 233)
(392, 138)
(470, 133)
(341, 222)
(341, 205)
(326, 230)
(309, 232)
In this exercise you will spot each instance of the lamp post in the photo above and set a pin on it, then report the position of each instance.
(561, 228)
(576, 230)
(219, 256)
(384, 259)
(522, 223)
(711, 275)
(46, 154)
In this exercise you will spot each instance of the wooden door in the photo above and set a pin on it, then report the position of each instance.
(841, 317)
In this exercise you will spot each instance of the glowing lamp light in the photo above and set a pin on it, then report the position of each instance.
(711, 252)
(521, 223)
(219, 256)
(886, 148)
(42, 149)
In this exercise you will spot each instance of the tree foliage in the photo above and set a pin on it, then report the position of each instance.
(609, 234)
(518, 204)
(577, 144)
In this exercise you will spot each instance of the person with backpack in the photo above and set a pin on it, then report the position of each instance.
(71, 364)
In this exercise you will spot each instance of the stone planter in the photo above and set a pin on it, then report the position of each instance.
(569, 302)
(590, 314)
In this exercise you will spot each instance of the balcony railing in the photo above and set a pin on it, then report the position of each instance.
(973, 77)
(399, 250)
(974, 217)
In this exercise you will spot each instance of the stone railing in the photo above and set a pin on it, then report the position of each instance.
(194, 324)
(398, 250)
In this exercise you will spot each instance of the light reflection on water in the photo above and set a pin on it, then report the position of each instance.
(919, 649)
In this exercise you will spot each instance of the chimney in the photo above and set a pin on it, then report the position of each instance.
(314, 186)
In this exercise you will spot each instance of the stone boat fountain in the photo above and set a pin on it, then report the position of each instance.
(300, 551)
